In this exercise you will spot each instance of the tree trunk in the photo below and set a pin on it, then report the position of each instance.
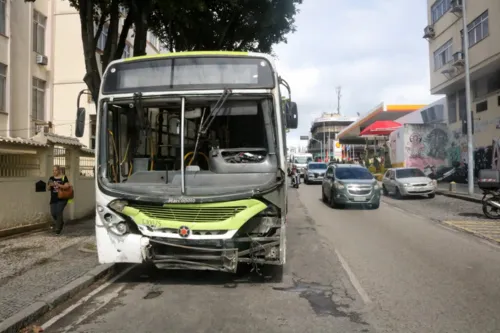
(92, 78)
(111, 42)
(124, 34)
(142, 9)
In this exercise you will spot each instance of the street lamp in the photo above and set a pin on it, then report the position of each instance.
(470, 142)
(320, 147)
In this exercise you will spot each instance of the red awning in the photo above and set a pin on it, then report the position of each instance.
(381, 127)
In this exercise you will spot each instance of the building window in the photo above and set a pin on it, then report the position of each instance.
(39, 23)
(38, 100)
(126, 51)
(443, 55)
(101, 43)
(3, 17)
(478, 30)
(439, 8)
(452, 108)
(486, 85)
(3, 87)
(482, 106)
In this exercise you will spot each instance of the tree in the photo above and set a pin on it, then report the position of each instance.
(232, 25)
(238, 25)
(94, 14)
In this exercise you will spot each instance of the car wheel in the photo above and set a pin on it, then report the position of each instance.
(398, 194)
(332, 200)
(384, 190)
(306, 180)
(323, 196)
(375, 205)
(432, 195)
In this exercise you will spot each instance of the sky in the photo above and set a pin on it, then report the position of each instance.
(373, 49)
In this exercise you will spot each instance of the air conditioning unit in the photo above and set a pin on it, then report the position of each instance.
(429, 32)
(41, 60)
(458, 58)
(456, 6)
(449, 72)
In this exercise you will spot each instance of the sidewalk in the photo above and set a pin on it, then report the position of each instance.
(37, 265)
(462, 192)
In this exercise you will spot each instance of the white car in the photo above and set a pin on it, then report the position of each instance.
(404, 182)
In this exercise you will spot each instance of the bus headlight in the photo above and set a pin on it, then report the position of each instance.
(111, 218)
(118, 205)
(271, 210)
(121, 228)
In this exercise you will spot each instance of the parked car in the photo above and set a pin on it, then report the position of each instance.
(408, 182)
(350, 184)
(315, 172)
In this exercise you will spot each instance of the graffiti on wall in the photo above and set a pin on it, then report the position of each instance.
(426, 145)
(457, 155)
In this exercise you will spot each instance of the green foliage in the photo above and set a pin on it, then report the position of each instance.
(187, 25)
(233, 25)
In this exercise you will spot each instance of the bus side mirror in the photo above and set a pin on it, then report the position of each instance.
(80, 122)
(292, 115)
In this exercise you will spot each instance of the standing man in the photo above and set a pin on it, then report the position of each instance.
(57, 182)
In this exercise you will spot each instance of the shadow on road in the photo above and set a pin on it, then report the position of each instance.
(472, 215)
(246, 275)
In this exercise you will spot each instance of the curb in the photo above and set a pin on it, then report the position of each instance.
(39, 307)
(464, 197)
(470, 232)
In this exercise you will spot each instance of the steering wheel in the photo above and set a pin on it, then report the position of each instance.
(191, 160)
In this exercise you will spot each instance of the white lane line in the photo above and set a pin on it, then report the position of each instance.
(354, 280)
(55, 319)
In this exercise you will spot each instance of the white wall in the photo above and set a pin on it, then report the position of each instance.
(20, 205)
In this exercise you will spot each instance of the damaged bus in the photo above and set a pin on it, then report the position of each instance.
(191, 161)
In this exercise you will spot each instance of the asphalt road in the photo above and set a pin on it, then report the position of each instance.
(351, 270)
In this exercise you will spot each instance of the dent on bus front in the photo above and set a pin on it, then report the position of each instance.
(217, 236)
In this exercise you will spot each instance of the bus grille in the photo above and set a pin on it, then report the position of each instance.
(192, 214)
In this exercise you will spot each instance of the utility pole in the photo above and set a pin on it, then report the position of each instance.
(470, 138)
(324, 141)
(339, 95)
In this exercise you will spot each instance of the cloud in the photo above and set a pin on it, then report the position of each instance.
(372, 48)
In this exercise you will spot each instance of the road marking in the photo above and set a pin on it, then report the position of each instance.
(354, 280)
(83, 300)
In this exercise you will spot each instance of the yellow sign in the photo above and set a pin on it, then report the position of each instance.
(337, 144)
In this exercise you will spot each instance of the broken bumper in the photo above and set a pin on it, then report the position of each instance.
(202, 254)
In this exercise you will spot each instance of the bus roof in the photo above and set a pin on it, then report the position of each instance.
(199, 54)
(129, 64)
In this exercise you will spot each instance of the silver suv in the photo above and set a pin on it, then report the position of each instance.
(350, 184)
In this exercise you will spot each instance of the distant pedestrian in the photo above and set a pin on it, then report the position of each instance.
(56, 183)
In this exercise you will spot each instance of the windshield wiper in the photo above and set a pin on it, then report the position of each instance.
(205, 125)
(213, 113)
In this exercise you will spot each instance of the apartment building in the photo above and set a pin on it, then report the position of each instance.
(447, 66)
(42, 68)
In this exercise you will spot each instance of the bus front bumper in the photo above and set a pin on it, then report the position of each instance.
(214, 254)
